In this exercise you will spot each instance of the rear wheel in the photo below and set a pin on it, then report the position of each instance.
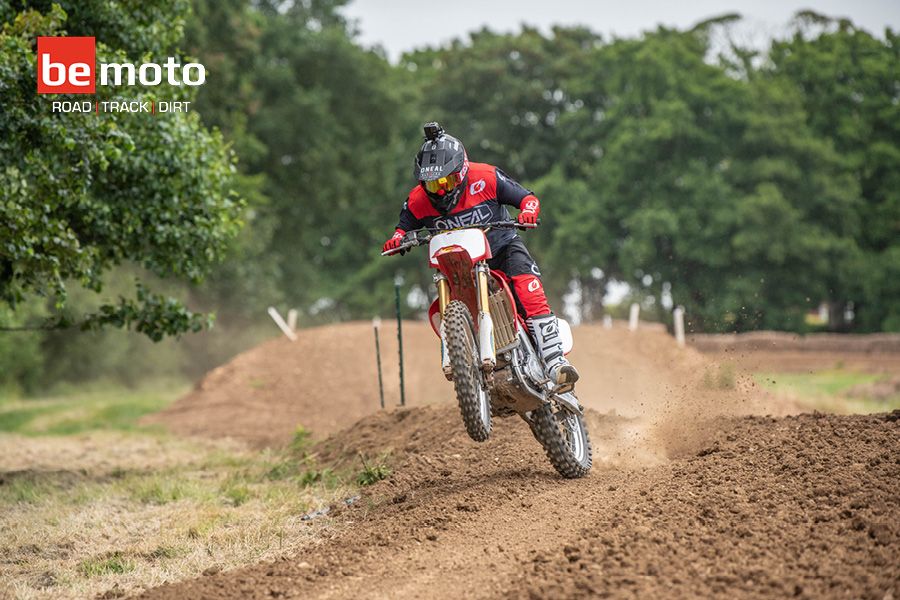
(471, 393)
(564, 437)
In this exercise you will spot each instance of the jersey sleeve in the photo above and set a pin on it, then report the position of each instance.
(510, 191)
(408, 221)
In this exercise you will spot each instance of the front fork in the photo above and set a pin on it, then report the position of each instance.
(485, 323)
(487, 355)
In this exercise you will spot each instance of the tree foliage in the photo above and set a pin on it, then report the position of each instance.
(747, 185)
(748, 188)
(81, 193)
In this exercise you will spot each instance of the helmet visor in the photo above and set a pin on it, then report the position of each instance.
(443, 185)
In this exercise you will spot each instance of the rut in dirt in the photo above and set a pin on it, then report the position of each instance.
(803, 506)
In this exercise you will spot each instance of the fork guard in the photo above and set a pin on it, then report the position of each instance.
(486, 341)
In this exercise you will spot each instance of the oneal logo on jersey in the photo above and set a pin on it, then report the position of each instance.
(67, 65)
(473, 216)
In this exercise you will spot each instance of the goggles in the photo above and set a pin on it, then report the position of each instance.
(443, 185)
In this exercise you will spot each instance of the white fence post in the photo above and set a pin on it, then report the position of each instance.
(607, 322)
(292, 319)
(678, 317)
(281, 324)
(633, 316)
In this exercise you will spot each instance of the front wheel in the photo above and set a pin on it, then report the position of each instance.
(564, 437)
(473, 397)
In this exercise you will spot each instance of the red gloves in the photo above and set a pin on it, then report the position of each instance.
(394, 242)
(531, 208)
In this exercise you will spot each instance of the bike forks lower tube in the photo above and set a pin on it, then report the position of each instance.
(485, 323)
(443, 289)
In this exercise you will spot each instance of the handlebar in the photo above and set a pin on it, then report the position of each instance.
(422, 236)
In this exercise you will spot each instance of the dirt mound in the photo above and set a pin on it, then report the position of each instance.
(324, 381)
(327, 380)
(789, 352)
(872, 343)
(877, 390)
(803, 506)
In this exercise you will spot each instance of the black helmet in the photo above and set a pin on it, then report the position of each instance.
(441, 168)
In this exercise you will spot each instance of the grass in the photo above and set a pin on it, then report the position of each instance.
(827, 390)
(22, 489)
(106, 408)
(160, 488)
(371, 473)
(90, 500)
(112, 563)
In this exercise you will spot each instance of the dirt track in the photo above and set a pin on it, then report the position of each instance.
(676, 506)
(799, 506)
(327, 381)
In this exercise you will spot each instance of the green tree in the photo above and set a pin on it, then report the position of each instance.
(335, 163)
(848, 80)
(80, 194)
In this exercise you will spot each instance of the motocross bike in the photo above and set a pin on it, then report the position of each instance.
(488, 352)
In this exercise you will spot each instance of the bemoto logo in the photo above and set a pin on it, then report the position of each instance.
(67, 65)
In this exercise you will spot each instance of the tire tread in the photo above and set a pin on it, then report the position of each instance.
(456, 320)
(546, 430)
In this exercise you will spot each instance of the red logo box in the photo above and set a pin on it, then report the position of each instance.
(66, 65)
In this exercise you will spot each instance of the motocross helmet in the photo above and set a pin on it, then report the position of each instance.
(441, 168)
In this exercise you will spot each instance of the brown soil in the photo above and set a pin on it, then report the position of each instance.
(802, 506)
(327, 380)
(679, 504)
(844, 343)
(787, 352)
(877, 390)
(792, 361)
(324, 381)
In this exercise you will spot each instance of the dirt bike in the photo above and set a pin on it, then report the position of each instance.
(488, 352)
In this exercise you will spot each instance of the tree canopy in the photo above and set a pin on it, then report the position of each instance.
(746, 185)
(80, 193)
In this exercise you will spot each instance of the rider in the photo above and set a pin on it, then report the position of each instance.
(453, 192)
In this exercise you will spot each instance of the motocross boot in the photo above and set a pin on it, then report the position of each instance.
(545, 331)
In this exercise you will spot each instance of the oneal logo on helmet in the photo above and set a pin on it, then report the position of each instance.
(67, 65)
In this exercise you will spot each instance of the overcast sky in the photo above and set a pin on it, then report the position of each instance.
(401, 25)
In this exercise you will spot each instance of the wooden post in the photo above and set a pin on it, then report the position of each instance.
(281, 324)
(678, 317)
(633, 315)
(292, 319)
(376, 325)
(397, 283)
